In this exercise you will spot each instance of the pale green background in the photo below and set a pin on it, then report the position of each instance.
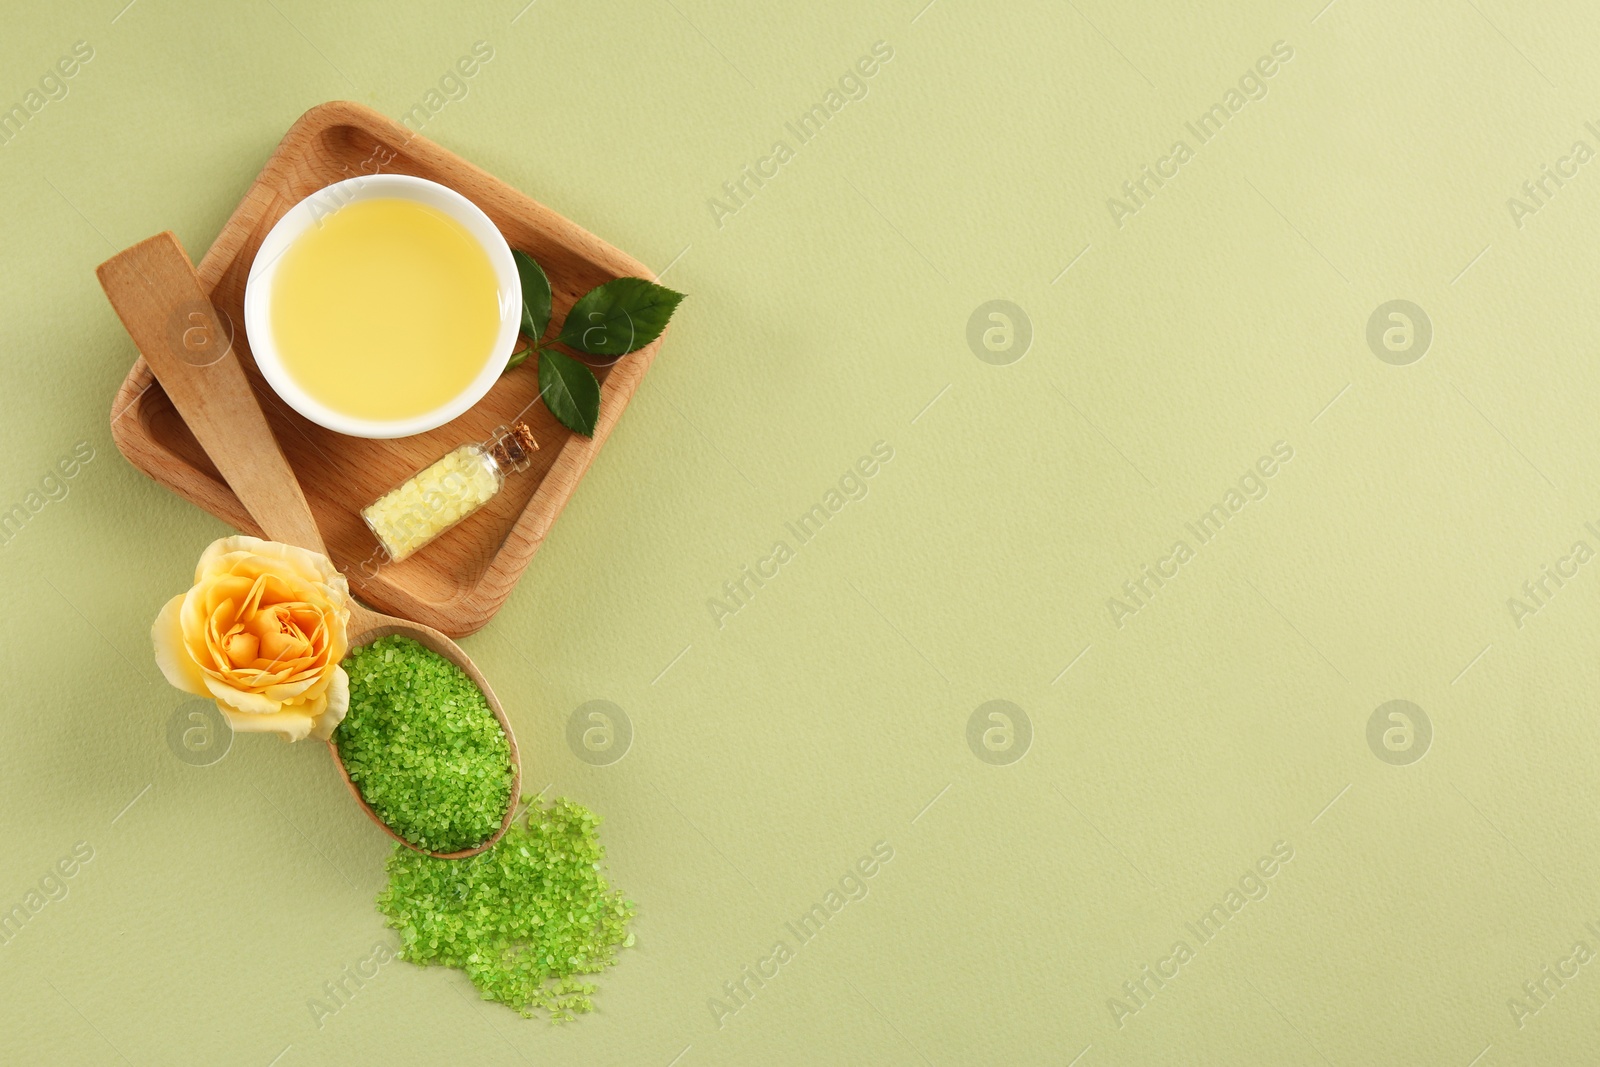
(827, 714)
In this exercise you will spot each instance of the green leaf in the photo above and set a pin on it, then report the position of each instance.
(535, 295)
(518, 358)
(570, 391)
(618, 317)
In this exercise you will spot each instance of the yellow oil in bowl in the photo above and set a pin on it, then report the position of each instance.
(387, 309)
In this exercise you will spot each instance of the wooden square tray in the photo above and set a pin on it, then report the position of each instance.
(457, 583)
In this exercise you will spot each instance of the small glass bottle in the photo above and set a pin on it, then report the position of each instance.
(440, 495)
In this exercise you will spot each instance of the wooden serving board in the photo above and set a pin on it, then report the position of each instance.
(458, 582)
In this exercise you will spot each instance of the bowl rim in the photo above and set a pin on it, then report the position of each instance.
(329, 199)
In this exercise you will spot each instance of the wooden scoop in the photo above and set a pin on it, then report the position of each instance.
(155, 292)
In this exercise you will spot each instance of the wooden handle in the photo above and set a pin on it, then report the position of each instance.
(157, 294)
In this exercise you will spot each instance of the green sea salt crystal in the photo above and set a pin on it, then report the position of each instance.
(523, 919)
(423, 746)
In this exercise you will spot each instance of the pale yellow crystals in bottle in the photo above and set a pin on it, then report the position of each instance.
(437, 497)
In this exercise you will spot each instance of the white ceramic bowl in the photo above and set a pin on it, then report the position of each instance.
(303, 216)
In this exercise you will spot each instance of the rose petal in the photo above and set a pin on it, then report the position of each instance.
(240, 700)
(294, 725)
(302, 563)
(241, 648)
(172, 654)
(338, 703)
(304, 689)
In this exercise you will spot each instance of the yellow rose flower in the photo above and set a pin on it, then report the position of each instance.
(262, 632)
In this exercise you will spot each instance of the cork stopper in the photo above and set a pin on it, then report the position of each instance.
(513, 449)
